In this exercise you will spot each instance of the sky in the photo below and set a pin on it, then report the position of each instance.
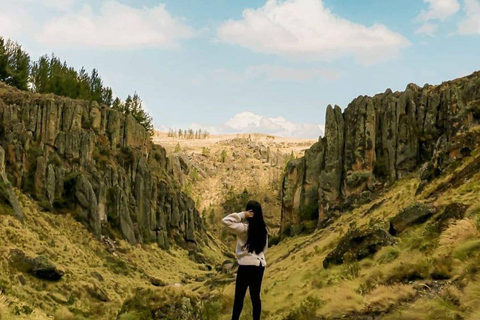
(268, 66)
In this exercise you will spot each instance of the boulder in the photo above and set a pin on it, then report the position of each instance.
(98, 293)
(40, 267)
(358, 244)
(414, 214)
(97, 276)
(453, 211)
(157, 282)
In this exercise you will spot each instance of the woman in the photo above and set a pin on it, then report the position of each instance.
(252, 243)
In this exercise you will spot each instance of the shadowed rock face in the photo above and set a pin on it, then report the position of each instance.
(39, 266)
(374, 142)
(414, 214)
(95, 162)
(358, 244)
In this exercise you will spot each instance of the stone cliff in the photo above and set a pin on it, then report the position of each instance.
(374, 142)
(96, 163)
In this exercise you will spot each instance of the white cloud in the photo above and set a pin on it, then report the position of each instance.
(471, 25)
(427, 28)
(116, 26)
(17, 17)
(275, 72)
(305, 28)
(9, 26)
(437, 10)
(54, 4)
(13, 19)
(248, 122)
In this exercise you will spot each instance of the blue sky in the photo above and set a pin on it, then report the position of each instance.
(266, 66)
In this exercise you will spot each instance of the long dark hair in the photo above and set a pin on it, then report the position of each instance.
(257, 230)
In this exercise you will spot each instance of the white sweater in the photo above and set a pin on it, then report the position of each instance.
(234, 224)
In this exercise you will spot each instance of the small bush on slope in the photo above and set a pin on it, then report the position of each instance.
(387, 254)
(306, 311)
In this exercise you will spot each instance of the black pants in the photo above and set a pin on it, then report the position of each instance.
(248, 277)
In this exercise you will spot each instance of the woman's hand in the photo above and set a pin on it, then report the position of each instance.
(248, 214)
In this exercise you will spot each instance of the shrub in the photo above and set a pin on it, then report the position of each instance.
(205, 152)
(406, 271)
(223, 155)
(117, 265)
(387, 254)
(306, 311)
(211, 310)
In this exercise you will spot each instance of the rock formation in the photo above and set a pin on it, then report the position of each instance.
(96, 163)
(374, 142)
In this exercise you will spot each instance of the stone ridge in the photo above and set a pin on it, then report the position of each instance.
(374, 142)
(96, 163)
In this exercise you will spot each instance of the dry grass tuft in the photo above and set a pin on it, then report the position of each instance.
(342, 300)
(434, 309)
(458, 232)
(63, 314)
(383, 298)
(471, 296)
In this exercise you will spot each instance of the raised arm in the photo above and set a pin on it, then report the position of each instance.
(233, 222)
(266, 245)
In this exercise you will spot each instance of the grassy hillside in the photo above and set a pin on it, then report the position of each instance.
(428, 274)
(99, 275)
(431, 272)
(224, 171)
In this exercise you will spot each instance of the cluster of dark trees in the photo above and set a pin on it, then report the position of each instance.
(51, 75)
(188, 134)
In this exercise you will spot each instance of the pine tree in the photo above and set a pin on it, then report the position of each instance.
(83, 85)
(107, 96)
(14, 64)
(96, 86)
(3, 60)
(50, 75)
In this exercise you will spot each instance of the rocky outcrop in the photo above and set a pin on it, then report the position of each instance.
(374, 142)
(7, 194)
(95, 162)
(448, 154)
(452, 212)
(40, 267)
(358, 244)
(414, 214)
